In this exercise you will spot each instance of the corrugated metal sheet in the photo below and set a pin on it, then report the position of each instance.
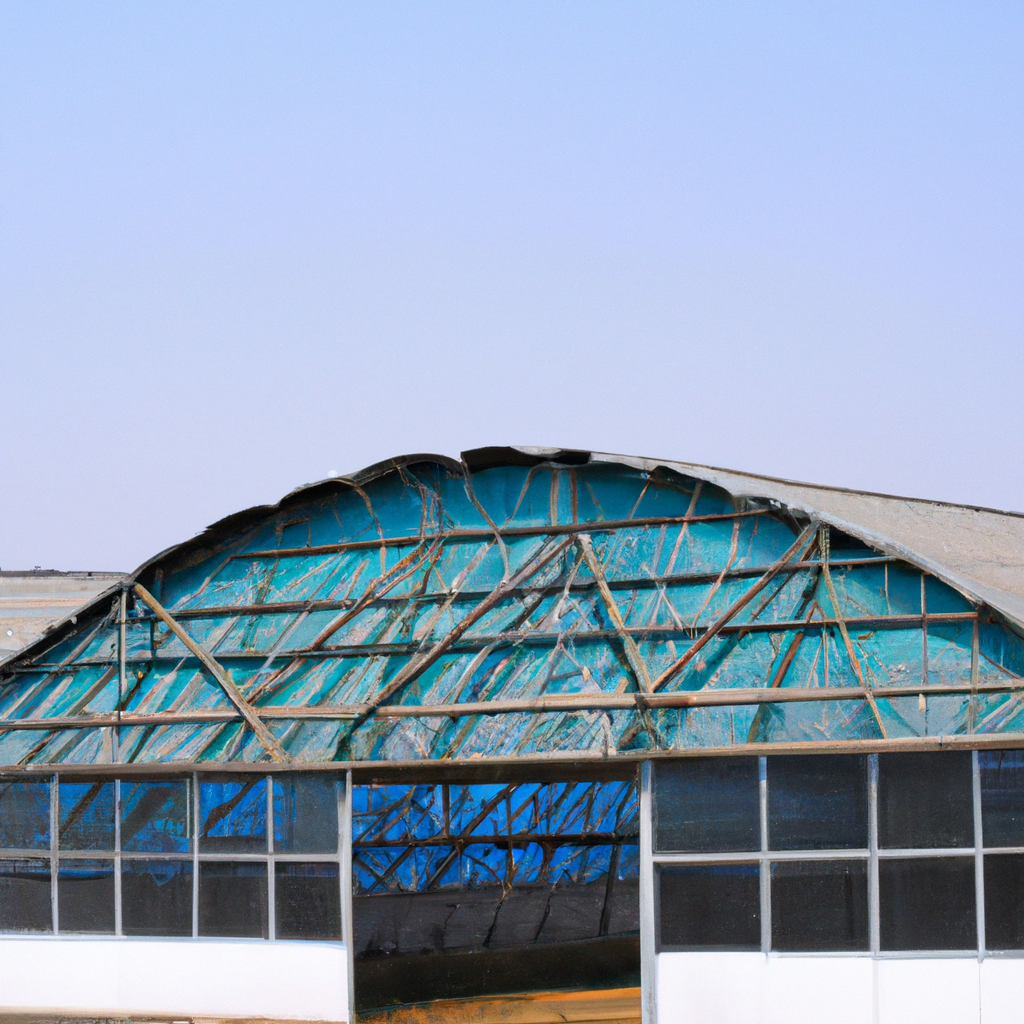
(521, 604)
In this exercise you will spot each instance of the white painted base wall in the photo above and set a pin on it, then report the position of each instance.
(749, 988)
(186, 977)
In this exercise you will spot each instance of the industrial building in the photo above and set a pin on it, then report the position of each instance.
(536, 734)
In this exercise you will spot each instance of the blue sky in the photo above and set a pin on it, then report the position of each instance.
(245, 245)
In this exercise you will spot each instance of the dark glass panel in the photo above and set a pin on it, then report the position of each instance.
(307, 901)
(25, 904)
(925, 801)
(25, 815)
(927, 903)
(1004, 901)
(819, 905)
(156, 897)
(86, 815)
(710, 906)
(1002, 797)
(818, 802)
(306, 813)
(233, 814)
(155, 816)
(707, 805)
(233, 899)
(85, 896)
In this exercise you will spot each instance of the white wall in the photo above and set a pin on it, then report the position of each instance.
(749, 988)
(190, 977)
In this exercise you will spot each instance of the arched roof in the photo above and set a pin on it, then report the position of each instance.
(536, 603)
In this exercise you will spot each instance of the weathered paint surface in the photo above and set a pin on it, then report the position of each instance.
(427, 584)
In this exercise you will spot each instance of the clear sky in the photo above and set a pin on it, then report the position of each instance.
(243, 245)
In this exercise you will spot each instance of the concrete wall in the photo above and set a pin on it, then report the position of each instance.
(749, 988)
(186, 977)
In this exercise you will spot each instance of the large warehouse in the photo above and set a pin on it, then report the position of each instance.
(534, 735)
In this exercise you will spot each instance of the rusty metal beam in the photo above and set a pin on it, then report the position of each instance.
(552, 529)
(558, 704)
(735, 608)
(221, 675)
(633, 656)
(421, 662)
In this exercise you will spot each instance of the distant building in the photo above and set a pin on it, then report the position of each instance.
(33, 601)
(580, 735)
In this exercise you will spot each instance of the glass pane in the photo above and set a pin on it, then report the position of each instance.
(85, 896)
(156, 897)
(927, 903)
(820, 905)
(1004, 901)
(86, 815)
(155, 816)
(233, 899)
(707, 805)
(306, 813)
(25, 896)
(925, 801)
(25, 815)
(818, 802)
(233, 814)
(307, 901)
(710, 906)
(1002, 797)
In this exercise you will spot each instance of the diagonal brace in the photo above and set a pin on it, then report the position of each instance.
(227, 684)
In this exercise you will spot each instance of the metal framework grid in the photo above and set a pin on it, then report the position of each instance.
(515, 613)
(116, 857)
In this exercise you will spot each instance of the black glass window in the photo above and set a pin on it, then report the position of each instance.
(1002, 797)
(306, 813)
(25, 815)
(156, 897)
(86, 815)
(707, 805)
(233, 899)
(818, 803)
(85, 896)
(307, 901)
(25, 904)
(233, 814)
(819, 905)
(925, 801)
(156, 816)
(710, 906)
(1004, 901)
(927, 903)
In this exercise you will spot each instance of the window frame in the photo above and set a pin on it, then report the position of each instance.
(117, 856)
(871, 854)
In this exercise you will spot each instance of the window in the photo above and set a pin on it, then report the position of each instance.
(708, 805)
(925, 801)
(927, 903)
(711, 906)
(233, 855)
(808, 882)
(819, 905)
(818, 803)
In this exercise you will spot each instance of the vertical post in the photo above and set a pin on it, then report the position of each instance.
(648, 947)
(271, 874)
(122, 664)
(118, 930)
(874, 934)
(54, 851)
(347, 931)
(194, 787)
(972, 712)
(979, 859)
(765, 872)
(923, 700)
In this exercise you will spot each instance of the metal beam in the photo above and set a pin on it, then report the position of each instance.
(223, 678)
(735, 608)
